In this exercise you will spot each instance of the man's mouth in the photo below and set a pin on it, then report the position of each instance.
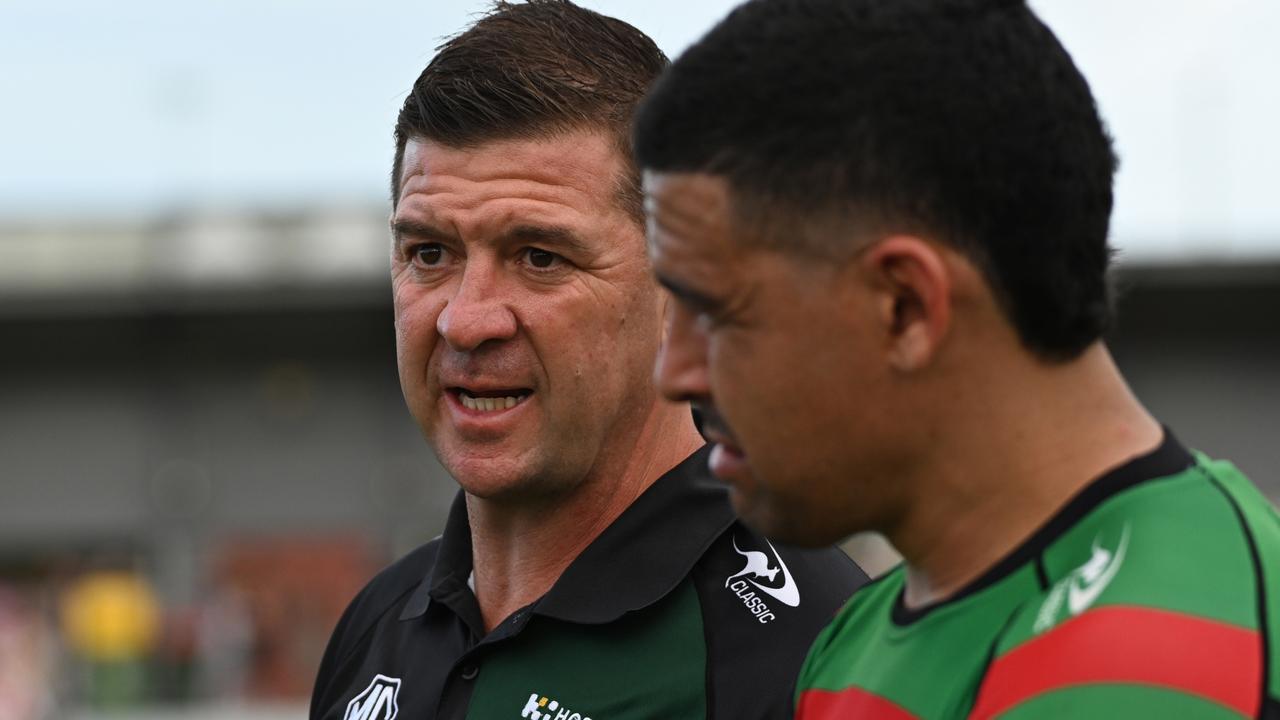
(490, 400)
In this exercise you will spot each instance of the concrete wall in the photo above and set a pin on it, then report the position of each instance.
(1201, 347)
(216, 417)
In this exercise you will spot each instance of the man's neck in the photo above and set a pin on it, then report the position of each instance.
(520, 552)
(1001, 471)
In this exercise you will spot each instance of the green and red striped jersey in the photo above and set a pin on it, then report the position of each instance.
(1153, 593)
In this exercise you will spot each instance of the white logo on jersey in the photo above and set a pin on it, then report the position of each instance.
(544, 708)
(759, 565)
(1095, 575)
(377, 702)
(1082, 587)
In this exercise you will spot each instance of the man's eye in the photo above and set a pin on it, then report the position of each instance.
(541, 258)
(429, 255)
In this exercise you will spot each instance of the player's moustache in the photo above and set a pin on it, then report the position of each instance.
(708, 421)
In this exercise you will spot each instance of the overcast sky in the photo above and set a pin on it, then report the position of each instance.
(142, 106)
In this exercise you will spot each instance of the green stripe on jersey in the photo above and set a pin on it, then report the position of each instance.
(1103, 702)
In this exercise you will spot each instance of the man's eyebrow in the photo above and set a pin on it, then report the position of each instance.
(549, 235)
(401, 229)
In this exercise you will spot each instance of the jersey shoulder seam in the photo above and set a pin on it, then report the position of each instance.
(1259, 579)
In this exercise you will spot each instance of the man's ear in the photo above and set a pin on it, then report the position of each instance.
(911, 283)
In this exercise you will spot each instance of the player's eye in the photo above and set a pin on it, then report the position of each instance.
(698, 306)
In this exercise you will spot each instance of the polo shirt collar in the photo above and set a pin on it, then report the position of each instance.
(647, 551)
(641, 557)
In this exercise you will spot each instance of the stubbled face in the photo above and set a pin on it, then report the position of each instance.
(526, 319)
(780, 354)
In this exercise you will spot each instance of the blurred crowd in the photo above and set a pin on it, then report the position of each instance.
(93, 635)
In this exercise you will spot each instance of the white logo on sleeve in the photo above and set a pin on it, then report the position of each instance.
(1084, 585)
(760, 566)
(1091, 578)
(377, 702)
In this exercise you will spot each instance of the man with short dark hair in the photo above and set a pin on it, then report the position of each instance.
(884, 224)
(589, 568)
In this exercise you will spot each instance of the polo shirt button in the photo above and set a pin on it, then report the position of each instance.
(469, 672)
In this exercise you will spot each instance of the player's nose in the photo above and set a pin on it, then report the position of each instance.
(680, 372)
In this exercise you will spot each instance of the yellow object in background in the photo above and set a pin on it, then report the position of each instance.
(110, 616)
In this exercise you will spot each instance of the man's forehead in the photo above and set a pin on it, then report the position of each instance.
(559, 192)
(581, 160)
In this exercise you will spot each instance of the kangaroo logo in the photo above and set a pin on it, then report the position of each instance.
(1084, 585)
(377, 702)
(760, 566)
(1095, 575)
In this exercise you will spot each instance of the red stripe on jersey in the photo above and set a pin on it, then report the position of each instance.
(848, 703)
(1136, 645)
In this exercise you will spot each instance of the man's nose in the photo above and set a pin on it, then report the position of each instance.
(680, 372)
(479, 311)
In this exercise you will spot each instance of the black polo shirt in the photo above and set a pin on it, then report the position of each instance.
(676, 610)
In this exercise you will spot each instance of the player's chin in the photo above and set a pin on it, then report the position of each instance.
(779, 520)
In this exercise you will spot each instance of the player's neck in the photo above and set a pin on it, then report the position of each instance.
(1043, 434)
(520, 552)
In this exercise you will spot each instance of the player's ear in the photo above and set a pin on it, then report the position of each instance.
(911, 284)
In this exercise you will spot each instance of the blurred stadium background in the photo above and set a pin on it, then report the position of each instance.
(203, 449)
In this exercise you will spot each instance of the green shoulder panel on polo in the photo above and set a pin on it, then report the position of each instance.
(1150, 595)
(575, 672)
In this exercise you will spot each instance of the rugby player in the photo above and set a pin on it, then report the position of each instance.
(884, 223)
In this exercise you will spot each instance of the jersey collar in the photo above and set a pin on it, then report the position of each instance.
(1169, 458)
(635, 562)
